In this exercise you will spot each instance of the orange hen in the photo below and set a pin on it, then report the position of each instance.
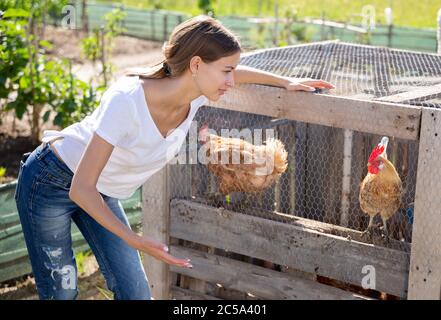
(381, 189)
(242, 166)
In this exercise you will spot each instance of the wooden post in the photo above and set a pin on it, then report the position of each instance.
(155, 223)
(84, 17)
(346, 179)
(165, 36)
(322, 27)
(439, 31)
(152, 23)
(425, 262)
(389, 35)
(276, 25)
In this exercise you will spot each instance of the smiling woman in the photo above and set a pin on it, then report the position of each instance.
(81, 172)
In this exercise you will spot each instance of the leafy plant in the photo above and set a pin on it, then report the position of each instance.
(29, 81)
(100, 44)
(2, 172)
(206, 6)
(290, 32)
(81, 258)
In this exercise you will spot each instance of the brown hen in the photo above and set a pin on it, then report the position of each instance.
(242, 166)
(381, 189)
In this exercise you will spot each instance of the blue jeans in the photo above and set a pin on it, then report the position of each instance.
(46, 211)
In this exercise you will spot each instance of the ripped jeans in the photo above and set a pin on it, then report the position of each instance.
(46, 211)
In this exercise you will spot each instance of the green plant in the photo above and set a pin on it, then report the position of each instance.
(302, 33)
(100, 44)
(258, 36)
(13, 53)
(30, 81)
(206, 6)
(81, 258)
(2, 172)
(291, 33)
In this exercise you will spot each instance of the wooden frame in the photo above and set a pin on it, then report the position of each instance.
(295, 245)
(326, 251)
(155, 206)
(425, 264)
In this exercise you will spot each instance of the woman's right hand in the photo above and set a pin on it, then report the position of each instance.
(159, 251)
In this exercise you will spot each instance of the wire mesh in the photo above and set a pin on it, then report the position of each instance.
(358, 71)
(317, 184)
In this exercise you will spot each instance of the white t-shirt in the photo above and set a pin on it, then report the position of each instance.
(123, 119)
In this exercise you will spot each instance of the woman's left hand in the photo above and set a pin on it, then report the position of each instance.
(295, 84)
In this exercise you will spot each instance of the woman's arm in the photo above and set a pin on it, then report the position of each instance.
(84, 193)
(245, 74)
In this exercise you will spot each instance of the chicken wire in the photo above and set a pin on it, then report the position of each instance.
(313, 185)
(325, 164)
(359, 71)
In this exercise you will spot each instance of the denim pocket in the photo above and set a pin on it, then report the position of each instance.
(55, 179)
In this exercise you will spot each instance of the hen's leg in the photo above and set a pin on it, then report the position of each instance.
(368, 231)
(384, 233)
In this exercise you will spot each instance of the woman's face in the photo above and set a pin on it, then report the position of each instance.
(215, 78)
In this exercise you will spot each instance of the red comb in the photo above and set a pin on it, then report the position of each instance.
(203, 133)
(376, 152)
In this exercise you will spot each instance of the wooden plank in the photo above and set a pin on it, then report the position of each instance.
(289, 245)
(322, 227)
(258, 281)
(179, 180)
(178, 293)
(384, 118)
(155, 208)
(425, 271)
(421, 93)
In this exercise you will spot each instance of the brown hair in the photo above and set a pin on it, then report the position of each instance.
(201, 36)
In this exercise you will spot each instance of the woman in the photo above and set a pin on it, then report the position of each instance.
(81, 172)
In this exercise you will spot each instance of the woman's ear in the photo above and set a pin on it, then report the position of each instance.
(194, 64)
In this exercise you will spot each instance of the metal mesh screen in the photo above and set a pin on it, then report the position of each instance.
(359, 71)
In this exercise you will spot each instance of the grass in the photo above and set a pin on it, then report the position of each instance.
(2, 172)
(404, 11)
(81, 258)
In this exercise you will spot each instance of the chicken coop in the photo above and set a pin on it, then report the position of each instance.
(302, 237)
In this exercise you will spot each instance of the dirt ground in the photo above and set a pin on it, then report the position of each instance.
(91, 285)
(128, 52)
(14, 141)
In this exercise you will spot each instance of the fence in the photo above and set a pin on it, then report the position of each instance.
(259, 33)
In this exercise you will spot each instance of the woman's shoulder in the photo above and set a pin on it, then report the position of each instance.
(125, 84)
